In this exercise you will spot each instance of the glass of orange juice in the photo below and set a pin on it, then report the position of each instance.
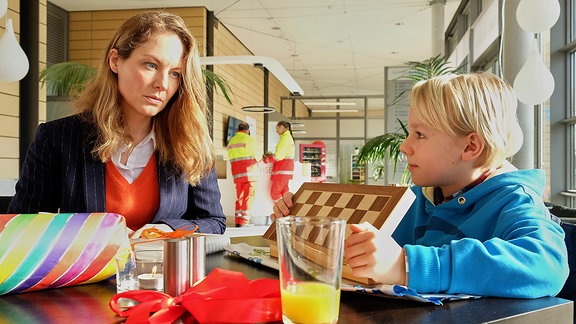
(310, 253)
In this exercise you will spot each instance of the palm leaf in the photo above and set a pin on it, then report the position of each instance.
(384, 146)
(66, 78)
(424, 70)
(216, 81)
(434, 66)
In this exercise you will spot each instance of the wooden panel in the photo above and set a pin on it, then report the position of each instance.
(79, 16)
(107, 24)
(118, 15)
(103, 35)
(8, 168)
(9, 147)
(10, 104)
(80, 45)
(80, 25)
(75, 35)
(10, 88)
(8, 127)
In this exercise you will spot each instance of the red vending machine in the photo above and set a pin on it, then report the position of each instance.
(315, 155)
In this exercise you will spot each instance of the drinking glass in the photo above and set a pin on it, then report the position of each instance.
(310, 254)
(126, 277)
(140, 269)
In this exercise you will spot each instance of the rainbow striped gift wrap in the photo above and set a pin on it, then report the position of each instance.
(40, 251)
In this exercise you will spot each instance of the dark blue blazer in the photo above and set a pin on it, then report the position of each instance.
(61, 175)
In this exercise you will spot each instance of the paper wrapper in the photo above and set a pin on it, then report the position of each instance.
(40, 251)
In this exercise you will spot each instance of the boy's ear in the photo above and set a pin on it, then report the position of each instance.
(474, 147)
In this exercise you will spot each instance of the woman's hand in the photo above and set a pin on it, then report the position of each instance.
(282, 206)
(373, 254)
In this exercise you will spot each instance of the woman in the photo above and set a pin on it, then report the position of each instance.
(283, 160)
(139, 145)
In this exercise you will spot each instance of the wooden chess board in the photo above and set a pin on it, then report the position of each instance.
(381, 206)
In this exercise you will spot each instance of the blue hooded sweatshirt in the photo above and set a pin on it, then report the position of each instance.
(496, 239)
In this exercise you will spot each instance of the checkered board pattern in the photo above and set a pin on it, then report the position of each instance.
(379, 205)
(354, 203)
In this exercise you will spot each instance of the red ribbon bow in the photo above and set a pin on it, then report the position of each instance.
(223, 296)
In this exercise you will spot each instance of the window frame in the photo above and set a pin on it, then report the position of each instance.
(563, 107)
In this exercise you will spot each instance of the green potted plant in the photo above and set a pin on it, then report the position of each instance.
(387, 146)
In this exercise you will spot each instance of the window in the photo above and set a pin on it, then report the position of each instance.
(57, 33)
(563, 107)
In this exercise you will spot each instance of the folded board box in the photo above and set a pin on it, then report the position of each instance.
(382, 206)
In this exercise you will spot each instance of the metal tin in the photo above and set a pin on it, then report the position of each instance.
(197, 257)
(176, 266)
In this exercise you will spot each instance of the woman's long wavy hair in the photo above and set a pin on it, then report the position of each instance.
(182, 136)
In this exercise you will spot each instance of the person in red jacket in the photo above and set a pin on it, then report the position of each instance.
(283, 160)
(241, 148)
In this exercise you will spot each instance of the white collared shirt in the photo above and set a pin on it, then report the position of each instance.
(138, 159)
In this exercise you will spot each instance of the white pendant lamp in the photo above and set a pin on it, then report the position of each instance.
(13, 61)
(3, 7)
(534, 83)
(537, 16)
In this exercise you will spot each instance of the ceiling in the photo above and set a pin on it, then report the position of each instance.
(330, 48)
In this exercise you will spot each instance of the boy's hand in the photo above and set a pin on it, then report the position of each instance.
(374, 255)
(282, 206)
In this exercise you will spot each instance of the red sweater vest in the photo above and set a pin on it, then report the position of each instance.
(137, 201)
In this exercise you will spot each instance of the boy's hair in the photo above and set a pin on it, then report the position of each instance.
(465, 103)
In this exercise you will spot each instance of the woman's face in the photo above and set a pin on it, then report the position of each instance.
(280, 129)
(149, 78)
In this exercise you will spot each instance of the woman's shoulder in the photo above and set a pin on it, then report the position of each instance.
(79, 120)
(77, 126)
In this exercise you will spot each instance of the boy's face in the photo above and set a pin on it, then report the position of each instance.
(434, 157)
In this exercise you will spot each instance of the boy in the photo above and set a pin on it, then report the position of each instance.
(478, 225)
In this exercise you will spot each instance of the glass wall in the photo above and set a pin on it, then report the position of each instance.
(343, 127)
(563, 107)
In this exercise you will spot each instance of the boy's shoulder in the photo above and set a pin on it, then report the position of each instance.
(513, 182)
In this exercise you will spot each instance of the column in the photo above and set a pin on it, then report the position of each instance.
(516, 46)
(437, 26)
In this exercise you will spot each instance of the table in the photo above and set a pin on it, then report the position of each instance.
(90, 302)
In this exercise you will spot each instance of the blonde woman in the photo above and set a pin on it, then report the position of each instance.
(139, 145)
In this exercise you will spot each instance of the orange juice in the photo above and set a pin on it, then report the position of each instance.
(311, 302)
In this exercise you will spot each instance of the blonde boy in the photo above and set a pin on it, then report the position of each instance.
(478, 224)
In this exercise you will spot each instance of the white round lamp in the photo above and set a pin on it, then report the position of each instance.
(534, 83)
(537, 16)
(13, 61)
